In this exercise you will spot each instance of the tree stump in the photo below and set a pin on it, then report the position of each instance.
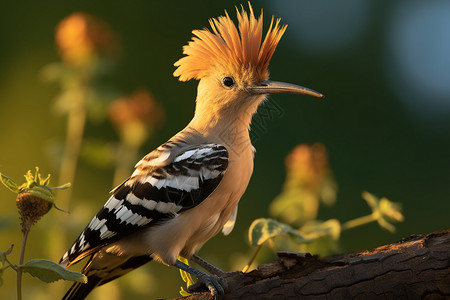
(416, 267)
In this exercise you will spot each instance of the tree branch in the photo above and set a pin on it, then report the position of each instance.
(416, 267)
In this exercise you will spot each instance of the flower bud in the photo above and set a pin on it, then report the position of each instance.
(34, 198)
(31, 209)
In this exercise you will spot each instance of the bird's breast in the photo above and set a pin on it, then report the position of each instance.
(189, 230)
(220, 206)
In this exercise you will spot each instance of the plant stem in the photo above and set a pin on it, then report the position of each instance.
(74, 137)
(75, 130)
(19, 269)
(359, 221)
(245, 269)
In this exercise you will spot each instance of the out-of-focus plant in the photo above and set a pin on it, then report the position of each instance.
(34, 199)
(384, 212)
(308, 182)
(88, 48)
(136, 118)
(84, 40)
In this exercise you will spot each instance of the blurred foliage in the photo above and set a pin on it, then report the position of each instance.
(263, 230)
(136, 118)
(384, 212)
(89, 49)
(82, 39)
(308, 174)
(309, 182)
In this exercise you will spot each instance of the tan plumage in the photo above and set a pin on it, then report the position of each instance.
(187, 190)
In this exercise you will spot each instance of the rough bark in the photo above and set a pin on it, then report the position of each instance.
(416, 267)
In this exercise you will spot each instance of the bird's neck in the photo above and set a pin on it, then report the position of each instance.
(227, 125)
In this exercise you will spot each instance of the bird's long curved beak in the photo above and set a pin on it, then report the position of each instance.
(276, 87)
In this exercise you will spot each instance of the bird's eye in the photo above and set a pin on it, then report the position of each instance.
(228, 81)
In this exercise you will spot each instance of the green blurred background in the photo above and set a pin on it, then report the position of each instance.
(383, 66)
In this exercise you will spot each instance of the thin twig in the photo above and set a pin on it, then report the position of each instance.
(76, 122)
(358, 222)
(252, 259)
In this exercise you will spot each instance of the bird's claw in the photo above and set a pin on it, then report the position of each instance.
(216, 284)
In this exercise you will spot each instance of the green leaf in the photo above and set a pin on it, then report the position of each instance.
(316, 229)
(262, 230)
(9, 183)
(49, 271)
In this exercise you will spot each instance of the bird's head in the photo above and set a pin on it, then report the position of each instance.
(232, 63)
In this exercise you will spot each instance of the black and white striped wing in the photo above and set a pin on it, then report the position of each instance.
(159, 189)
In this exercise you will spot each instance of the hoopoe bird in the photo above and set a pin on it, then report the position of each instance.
(187, 190)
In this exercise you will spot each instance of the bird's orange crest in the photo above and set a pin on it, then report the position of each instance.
(227, 48)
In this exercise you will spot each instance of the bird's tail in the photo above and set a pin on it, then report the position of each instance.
(101, 269)
(79, 290)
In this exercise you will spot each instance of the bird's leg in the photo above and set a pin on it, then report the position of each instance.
(215, 284)
(212, 268)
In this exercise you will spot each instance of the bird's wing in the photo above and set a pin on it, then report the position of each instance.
(161, 187)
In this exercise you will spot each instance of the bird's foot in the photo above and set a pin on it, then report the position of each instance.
(215, 284)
